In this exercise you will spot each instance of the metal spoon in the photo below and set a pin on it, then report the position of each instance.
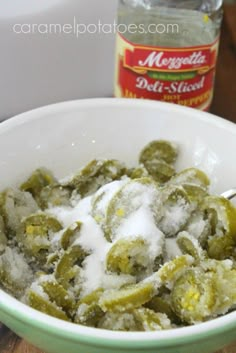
(229, 194)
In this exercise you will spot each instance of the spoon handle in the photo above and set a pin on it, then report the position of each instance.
(229, 194)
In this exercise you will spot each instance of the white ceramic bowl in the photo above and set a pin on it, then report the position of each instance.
(63, 137)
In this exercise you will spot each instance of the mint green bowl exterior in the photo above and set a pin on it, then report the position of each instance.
(64, 137)
(45, 335)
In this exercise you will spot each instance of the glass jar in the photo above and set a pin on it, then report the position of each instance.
(167, 49)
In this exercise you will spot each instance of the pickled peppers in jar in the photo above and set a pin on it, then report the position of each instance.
(167, 50)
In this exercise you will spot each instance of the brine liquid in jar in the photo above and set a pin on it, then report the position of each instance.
(167, 50)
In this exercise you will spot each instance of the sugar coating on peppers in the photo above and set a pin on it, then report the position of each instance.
(116, 247)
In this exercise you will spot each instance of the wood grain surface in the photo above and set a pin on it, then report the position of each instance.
(10, 343)
(224, 104)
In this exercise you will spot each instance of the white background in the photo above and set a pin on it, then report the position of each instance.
(38, 69)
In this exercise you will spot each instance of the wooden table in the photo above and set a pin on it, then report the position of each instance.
(224, 104)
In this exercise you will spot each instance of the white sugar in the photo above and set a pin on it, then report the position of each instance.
(17, 266)
(93, 241)
(141, 223)
(107, 192)
(189, 176)
(138, 199)
(94, 274)
(175, 216)
(68, 215)
(91, 236)
(38, 289)
(172, 249)
(139, 194)
(198, 226)
(113, 280)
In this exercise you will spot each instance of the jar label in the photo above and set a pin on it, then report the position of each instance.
(178, 75)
